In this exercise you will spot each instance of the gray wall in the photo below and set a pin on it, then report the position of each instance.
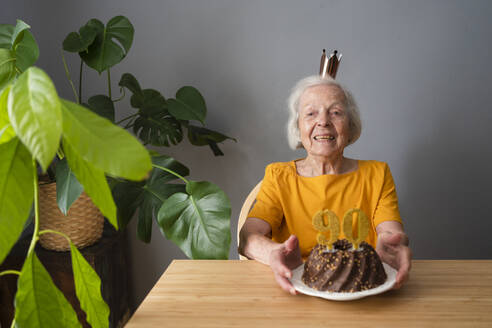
(420, 71)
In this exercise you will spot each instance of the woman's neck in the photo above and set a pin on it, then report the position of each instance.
(319, 165)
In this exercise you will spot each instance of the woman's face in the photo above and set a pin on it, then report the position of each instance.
(323, 121)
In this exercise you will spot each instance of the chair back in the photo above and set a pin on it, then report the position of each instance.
(243, 215)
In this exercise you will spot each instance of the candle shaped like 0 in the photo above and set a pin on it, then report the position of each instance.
(362, 226)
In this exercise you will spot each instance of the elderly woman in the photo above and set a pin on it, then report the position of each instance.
(324, 119)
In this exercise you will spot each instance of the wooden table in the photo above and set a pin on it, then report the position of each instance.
(245, 294)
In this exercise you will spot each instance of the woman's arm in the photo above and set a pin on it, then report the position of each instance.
(255, 243)
(254, 240)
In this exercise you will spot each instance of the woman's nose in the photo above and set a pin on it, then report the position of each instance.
(324, 120)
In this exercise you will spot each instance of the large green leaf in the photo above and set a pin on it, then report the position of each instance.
(68, 188)
(161, 176)
(26, 51)
(17, 34)
(21, 42)
(38, 302)
(103, 144)
(144, 224)
(154, 124)
(6, 131)
(16, 192)
(128, 196)
(198, 221)
(103, 106)
(152, 200)
(7, 67)
(34, 111)
(77, 42)
(148, 197)
(199, 136)
(188, 105)
(88, 290)
(130, 82)
(6, 31)
(94, 182)
(149, 101)
(157, 190)
(104, 53)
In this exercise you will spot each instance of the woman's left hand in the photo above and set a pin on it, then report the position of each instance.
(392, 248)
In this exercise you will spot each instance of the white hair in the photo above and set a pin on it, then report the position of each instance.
(293, 133)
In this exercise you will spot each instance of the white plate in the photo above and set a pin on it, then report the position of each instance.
(302, 288)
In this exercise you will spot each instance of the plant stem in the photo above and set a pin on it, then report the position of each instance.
(60, 153)
(122, 90)
(35, 234)
(8, 60)
(42, 232)
(67, 73)
(126, 118)
(80, 80)
(170, 171)
(109, 84)
(3, 273)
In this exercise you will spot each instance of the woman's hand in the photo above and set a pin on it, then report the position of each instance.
(255, 243)
(283, 259)
(392, 248)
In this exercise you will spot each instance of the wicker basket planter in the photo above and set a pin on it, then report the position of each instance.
(83, 222)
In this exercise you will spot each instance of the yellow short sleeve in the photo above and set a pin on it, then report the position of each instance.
(268, 206)
(387, 207)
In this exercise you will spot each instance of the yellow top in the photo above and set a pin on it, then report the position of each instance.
(288, 201)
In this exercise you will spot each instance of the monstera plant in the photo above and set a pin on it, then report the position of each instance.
(37, 127)
(187, 213)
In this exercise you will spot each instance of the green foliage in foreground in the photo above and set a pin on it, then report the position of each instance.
(95, 155)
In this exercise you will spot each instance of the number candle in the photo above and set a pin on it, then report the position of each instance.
(332, 225)
(362, 226)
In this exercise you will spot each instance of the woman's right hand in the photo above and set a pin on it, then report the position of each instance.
(255, 243)
(283, 259)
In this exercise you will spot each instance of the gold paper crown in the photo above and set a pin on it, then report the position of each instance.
(329, 65)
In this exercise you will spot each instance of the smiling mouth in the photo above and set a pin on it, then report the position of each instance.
(331, 138)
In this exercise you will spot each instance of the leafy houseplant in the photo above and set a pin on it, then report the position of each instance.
(35, 126)
(158, 122)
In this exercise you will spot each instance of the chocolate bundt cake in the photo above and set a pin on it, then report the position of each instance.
(343, 269)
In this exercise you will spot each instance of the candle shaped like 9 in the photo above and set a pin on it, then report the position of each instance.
(333, 226)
